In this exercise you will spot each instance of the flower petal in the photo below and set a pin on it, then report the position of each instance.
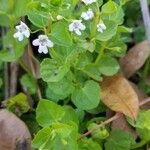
(71, 27)
(26, 33)
(43, 49)
(78, 32)
(36, 42)
(49, 43)
(20, 38)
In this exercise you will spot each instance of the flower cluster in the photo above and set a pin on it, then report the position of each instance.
(42, 41)
(76, 26)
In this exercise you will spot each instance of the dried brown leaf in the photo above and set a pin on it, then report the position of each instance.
(135, 58)
(119, 96)
(14, 134)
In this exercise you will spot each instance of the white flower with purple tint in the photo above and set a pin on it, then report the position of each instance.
(22, 31)
(101, 27)
(77, 26)
(44, 43)
(88, 2)
(87, 15)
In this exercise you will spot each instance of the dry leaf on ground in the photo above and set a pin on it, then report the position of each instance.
(119, 96)
(135, 58)
(14, 135)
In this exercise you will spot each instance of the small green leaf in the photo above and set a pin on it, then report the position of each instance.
(70, 115)
(60, 34)
(21, 8)
(62, 89)
(18, 104)
(51, 71)
(48, 112)
(143, 125)
(39, 18)
(5, 20)
(100, 133)
(111, 29)
(41, 138)
(29, 83)
(89, 144)
(87, 97)
(59, 136)
(119, 140)
(108, 65)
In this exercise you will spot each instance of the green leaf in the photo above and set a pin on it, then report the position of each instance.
(41, 138)
(51, 71)
(62, 89)
(89, 144)
(119, 140)
(39, 18)
(108, 65)
(70, 115)
(143, 125)
(59, 136)
(21, 8)
(100, 133)
(5, 20)
(87, 97)
(109, 7)
(29, 83)
(123, 29)
(48, 112)
(60, 34)
(111, 29)
(15, 53)
(92, 71)
(18, 104)
(113, 12)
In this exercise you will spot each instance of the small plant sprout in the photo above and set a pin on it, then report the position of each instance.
(88, 2)
(87, 15)
(76, 26)
(44, 43)
(22, 31)
(101, 27)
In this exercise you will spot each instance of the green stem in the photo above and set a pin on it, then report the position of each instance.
(96, 20)
(55, 55)
(100, 53)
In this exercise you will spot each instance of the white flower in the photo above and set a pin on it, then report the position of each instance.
(44, 43)
(101, 27)
(22, 31)
(88, 2)
(76, 26)
(87, 15)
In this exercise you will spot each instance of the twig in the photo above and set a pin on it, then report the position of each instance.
(145, 101)
(115, 117)
(14, 68)
(33, 70)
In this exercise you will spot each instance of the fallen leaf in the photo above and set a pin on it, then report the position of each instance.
(14, 134)
(135, 58)
(119, 96)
